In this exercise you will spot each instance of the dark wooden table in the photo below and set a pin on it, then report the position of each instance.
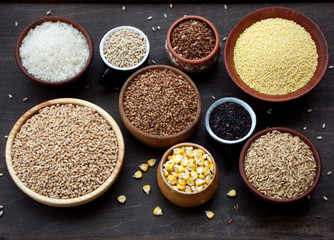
(105, 217)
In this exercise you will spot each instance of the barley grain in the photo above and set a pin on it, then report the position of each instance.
(325, 198)
(48, 13)
(149, 18)
(123, 8)
(1, 213)
(25, 99)
(319, 137)
(10, 96)
(323, 125)
(329, 173)
(331, 67)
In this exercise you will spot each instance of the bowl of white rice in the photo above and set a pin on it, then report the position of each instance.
(54, 51)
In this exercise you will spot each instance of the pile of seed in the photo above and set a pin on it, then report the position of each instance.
(280, 165)
(275, 56)
(64, 151)
(193, 39)
(230, 121)
(124, 48)
(160, 102)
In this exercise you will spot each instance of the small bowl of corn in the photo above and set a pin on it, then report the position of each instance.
(187, 175)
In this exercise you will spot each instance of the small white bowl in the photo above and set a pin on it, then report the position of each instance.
(103, 40)
(237, 101)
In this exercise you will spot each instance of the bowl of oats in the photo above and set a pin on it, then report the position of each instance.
(280, 165)
(65, 152)
(124, 48)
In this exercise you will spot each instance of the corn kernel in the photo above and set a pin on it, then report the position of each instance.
(206, 171)
(211, 167)
(185, 162)
(232, 193)
(177, 159)
(180, 187)
(199, 188)
(199, 182)
(121, 199)
(208, 179)
(200, 170)
(201, 176)
(209, 214)
(144, 167)
(166, 173)
(185, 176)
(188, 189)
(191, 182)
(171, 180)
(191, 167)
(147, 189)
(193, 188)
(194, 175)
(176, 168)
(157, 211)
(181, 181)
(181, 169)
(151, 162)
(138, 174)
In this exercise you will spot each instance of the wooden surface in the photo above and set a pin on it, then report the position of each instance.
(105, 218)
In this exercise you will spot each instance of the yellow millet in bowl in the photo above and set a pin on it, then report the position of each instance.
(275, 56)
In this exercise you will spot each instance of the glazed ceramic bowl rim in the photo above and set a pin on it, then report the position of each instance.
(190, 61)
(177, 71)
(295, 133)
(317, 36)
(40, 21)
(237, 101)
(71, 201)
(104, 38)
(186, 144)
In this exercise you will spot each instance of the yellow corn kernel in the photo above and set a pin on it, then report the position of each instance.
(185, 162)
(143, 167)
(206, 164)
(211, 167)
(185, 176)
(170, 166)
(199, 182)
(199, 162)
(181, 169)
(191, 167)
(157, 211)
(169, 157)
(166, 173)
(177, 158)
(205, 155)
(151, 162)
(180, 187)
(191, 182)
(208, 179)
(188, 189)
(200, 170)
(193, 189)
(171, 180)
(194, 175)
(138, 174)
(232, 193)
(199, 188)
(209, 214)
(206, 171)
(175, 174)
(191, 160)
(147, 189)
(176, 168)
(181, 181)
(176, 150)
(201, 176)
(121, 199)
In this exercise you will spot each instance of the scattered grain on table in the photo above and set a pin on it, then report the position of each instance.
(329, 173)
(323, 125)
(48, 13)
(309, 110)
(319, 137)
(10, 96)
(123, 8)
(25, 99)
(325, 198)
(331, 67)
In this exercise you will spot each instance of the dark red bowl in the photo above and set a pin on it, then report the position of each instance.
(264, 197)
(285, 13)
(54, 19)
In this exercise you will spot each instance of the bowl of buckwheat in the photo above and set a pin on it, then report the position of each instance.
(187, 175)
(280, 165)
(160, 106)
(192, 44)
(65, 152)
(124, 48)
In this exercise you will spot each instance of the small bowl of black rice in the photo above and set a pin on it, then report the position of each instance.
(230, 120)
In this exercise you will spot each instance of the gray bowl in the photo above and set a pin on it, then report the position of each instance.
(237, 101)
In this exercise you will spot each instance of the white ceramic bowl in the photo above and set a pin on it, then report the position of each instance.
(237, 101)
(103, 40)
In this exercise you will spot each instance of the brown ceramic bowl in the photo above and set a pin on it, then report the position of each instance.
(285, 13)
(73, 201)
(157, 141)
(265, 197)
(54, 19)
(189, 65)
(185, 199)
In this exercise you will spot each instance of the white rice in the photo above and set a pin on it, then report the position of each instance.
(54, 51)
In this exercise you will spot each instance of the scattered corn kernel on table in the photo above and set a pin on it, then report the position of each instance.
(105, 217)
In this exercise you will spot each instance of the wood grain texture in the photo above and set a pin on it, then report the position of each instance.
(105, 218)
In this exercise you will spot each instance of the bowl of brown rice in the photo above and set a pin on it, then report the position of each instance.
(280, 165)
(54, 51)
(65, 152)
(276, 54)
(160, 106)
(192, 44)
